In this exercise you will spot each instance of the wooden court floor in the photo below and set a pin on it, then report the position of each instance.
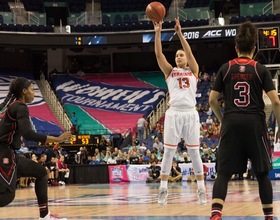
(139, 201)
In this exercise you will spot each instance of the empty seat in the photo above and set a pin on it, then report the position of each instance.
(118, 19)
(134, 18)
(105, 19)
(126, 19)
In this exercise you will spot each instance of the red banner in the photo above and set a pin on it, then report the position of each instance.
(118, 174)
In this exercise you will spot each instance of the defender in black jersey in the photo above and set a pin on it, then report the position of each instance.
(244, 132)
(14, 124)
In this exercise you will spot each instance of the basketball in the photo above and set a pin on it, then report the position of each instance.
(155, 11)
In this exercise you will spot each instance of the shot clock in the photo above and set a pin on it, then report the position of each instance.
(268, 38)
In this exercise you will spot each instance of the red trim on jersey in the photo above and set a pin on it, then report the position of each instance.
(8, 111)
(11, 133)
(244, 61)
(8, 174)
(2, 115)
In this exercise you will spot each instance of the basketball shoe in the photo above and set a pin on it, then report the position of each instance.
(50, 216)
(201, 196)
(162, 196)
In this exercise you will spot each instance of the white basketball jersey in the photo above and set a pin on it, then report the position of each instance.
(182, 86)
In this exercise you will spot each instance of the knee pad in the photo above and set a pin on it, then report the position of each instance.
(196, 161)
(167, 160)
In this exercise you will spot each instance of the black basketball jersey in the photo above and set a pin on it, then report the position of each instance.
(242, 81)
(16, 123)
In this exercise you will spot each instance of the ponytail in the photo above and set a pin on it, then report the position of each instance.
(8, 100)
(15, 91)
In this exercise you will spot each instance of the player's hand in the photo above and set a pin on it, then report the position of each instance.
(157, 26)
(177, 26)
(65, 137)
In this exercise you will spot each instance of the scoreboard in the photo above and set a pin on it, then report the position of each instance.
(87, 139)
(268, 38)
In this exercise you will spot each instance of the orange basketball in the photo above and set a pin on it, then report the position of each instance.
(155, 11)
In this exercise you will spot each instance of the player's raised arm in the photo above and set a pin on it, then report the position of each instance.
(190, 57)
(164, 65)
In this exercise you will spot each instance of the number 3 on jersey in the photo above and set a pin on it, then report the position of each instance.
(244, 94)
(184, 82)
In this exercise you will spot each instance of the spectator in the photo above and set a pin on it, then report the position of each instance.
(73, 130)
(134, 159)
(158, 145)
(153, 157)
(63, 171)
(147, 155)
(141, 124)
(121, 159)
(24, 150)
(200, 108)
(112, 159)
(74, 119)
(207, 109)
(179, 157)
(182, 145)
(175, 174)
(154, 173)
(209, 120)
(53, 171)
(81, 156)
(210, 131)
(206, 158)
(94, 161)
(187, 158)
(60, 151)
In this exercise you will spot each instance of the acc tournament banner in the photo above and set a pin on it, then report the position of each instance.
(107, 97)
(118, 174)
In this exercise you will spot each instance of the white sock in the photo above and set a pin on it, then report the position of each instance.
(163, 184)
(200, 184)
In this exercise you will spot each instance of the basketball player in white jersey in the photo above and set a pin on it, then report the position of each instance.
(181, 118)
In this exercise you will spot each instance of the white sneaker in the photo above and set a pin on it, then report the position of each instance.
(61, 183)
(49, 216)
(162, 196)
(201, 196)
